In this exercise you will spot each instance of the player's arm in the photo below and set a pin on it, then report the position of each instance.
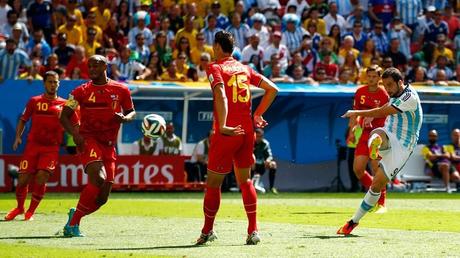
(129, 114)
(270, 93)
(268, 153)
(19, 131)
(222, 110)
(382, 111)
(67, 119)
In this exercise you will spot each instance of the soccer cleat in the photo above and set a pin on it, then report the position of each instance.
(374, 147)
(253, 238)
(274, 190)
(72, 231)
(380, 209)
(347, 228)
(13, 213)
(70, 215)
(28, 216)
(204, 238)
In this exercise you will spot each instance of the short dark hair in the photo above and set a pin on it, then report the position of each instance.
(11, 12)
(50, 73)
(394, 73)
(226, 41)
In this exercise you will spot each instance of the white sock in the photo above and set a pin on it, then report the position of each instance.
(369, 201)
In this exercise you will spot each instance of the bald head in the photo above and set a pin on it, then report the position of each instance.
(98, 59)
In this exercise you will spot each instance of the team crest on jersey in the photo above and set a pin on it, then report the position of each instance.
(114, 97)
(211, 78)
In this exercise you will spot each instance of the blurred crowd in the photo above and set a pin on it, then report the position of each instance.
(302, 41)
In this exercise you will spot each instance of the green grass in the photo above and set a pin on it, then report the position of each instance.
(293, 225)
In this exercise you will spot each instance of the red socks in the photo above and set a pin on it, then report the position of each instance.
(38, 191)
(250, 204)
(383, 195)
(366, 180)
(210, 207)
(21, 195)
(86, 204)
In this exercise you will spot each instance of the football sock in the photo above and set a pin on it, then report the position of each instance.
(366, 180)
(21, 195)
(211, 205)
(249, 195)
(370, 199)
(383, 195)
(38, 192)
(271, 177)
(86, 204)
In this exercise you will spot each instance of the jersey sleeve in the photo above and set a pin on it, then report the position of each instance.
(214, 74)
(425, 152)
(127, 101)
(256, 78)
(74, 99)
(28, 110)
(406, 102)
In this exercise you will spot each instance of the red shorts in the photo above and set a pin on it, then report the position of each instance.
(96, 151)
(362, 149)
(224, 150)
(38, 157)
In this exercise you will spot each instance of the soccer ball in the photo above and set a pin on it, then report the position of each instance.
(153, 126)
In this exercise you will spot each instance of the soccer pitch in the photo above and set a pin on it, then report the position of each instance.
(291, 225)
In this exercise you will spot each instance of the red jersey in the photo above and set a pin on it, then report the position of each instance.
(98, 105)
(236, 78)
(365, 99)
(46, 128)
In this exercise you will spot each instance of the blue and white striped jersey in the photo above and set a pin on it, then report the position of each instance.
(9, 64)
(406, 124)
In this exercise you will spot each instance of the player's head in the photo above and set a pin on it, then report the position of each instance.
(393, 81)
(97, 66)
(432, 136)
(373, 73)
(51, 81)
(455, 136)
(259, 135)
(223, 44)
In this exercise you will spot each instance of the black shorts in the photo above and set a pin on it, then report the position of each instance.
(437, 173)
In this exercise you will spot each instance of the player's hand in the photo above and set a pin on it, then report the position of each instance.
(119, 117)
(16, 143)
(232, 131)
(349, 113)
(367, 121)
(260, 122)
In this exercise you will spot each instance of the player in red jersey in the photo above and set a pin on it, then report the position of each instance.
(233, 138)
(42, 150)
(368, 97)
(104, 105)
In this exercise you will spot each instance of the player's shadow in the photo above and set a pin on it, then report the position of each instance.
(32, 237)
(149, 248)
(319, 212)
(331, 237)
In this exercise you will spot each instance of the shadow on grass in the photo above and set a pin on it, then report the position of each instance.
(158, 247)
(32, 237)
(331, 237)
(150, 248)
(319, 212)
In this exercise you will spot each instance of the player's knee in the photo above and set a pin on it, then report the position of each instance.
(273, 165)
(42, 177)
(23, 180)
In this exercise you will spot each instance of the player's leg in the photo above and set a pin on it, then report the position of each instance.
(38, 191)
(21, 194)
(243, 161)
(272, 167)
(27, 168)
(109, 175)
(359, 167)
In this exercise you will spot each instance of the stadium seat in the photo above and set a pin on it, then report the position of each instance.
(414, 171)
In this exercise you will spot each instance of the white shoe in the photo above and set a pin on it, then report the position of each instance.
(259, 189)
(204, 238)
(253, 239)
(380, 209)
(450, 190)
